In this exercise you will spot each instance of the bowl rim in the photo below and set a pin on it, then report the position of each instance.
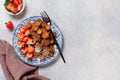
(23, 7)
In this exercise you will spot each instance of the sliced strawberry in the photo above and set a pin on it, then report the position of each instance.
(24, 50)
(25, 39)
(13, 10)
(21, 44)
(30, 49)
(20, 35)
(10, 0)
(23, 29)
(29, 41)
(20, 7)
(9, 6)
(19, 1)
(15, 2)
(27, 32)
(29, 55)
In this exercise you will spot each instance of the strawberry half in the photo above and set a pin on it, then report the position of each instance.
(24, 50)
(10, 0)
(27, 32)
(29, 41)
(20, 35)
(25, 39)
(15, 2)
(23, 29)
(14, 10)
(8, 6)
(19, 1)
(30, 49)
(20, 7)
(21, 44)
(29, 55)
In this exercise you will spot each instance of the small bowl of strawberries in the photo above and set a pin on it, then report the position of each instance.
(14, 7)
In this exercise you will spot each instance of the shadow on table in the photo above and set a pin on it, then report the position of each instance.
(21, 15)
(52, 63)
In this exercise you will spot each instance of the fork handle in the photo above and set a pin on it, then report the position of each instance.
(58, 46)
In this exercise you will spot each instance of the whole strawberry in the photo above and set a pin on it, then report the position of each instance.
(9, 25)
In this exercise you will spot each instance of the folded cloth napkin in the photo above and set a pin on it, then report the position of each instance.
(14, 68)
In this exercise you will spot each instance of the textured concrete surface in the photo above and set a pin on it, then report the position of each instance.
(91, 30)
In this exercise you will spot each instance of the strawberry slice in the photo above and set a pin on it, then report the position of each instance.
(19, 1)
(21, 44)
(27, 32)
(15, 2)
(29, 41)
(29, 55)
(20, 35)
(24, 50)
(23, 29)
(10, 0)
(8, 6)
(13, 10)
(30, 49)
(20, 7)
(25, 39)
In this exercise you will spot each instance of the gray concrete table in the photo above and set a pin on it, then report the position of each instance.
(91, 30)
